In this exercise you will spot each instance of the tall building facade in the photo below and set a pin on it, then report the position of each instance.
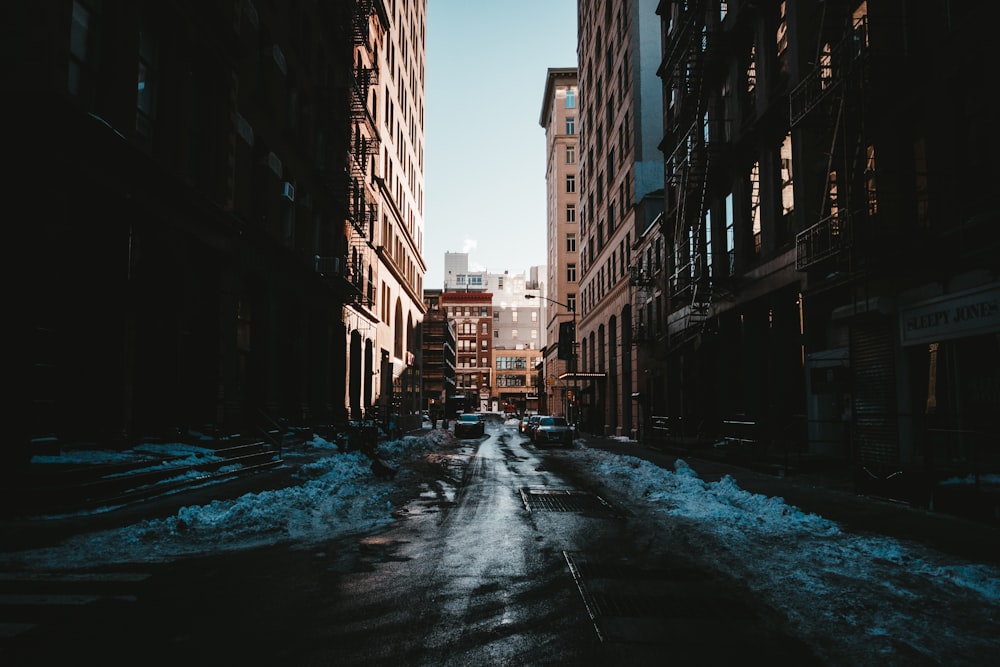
(387, 191)
(621, 191)
(561, 119)
(831, 262)
(241, 230)
(187, 248)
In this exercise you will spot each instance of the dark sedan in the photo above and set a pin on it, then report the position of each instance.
(553, 431)
(470, 425)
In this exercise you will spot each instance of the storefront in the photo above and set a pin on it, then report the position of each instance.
(951, 346)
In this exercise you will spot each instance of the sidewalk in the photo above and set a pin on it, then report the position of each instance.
(829, 491)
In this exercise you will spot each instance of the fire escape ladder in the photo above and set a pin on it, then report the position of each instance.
(695, 192)
(823, 95)
(361, 174)
(685, 66)
(701, 290)
(641, 281)
(362, 16)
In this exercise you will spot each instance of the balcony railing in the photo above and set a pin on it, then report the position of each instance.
(825, 239)
(829, 74)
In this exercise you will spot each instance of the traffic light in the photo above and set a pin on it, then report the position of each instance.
(567, 333)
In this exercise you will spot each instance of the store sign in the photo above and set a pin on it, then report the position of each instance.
(968, 313)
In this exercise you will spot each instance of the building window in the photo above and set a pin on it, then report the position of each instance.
(708, 245)
(570, 98)
(570, 125)
(870, 189)
(755, 206)
(571, 273)
(781, 37)
(921, 182)
(730, 235)
(571, 301)
(570, 212)
(571, 154)
(571, 243)
(570, 182)
(146, 96)
(83, 37)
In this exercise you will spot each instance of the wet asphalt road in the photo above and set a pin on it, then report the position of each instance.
(499, 559)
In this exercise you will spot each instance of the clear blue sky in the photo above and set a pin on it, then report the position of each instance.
(484, 149)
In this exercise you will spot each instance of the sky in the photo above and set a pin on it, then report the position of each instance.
(853, 594)
(484, 189)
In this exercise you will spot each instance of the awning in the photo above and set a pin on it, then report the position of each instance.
(583, 376)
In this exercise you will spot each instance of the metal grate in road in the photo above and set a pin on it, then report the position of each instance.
(556, 500)
(600, 570)
(656, 606)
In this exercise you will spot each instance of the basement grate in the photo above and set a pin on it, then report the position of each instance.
(555, 500)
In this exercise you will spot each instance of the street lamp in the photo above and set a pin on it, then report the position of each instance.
(573, 369)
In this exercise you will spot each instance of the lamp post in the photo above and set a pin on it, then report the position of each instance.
(572, 365)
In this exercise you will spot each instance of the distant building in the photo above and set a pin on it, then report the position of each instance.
(438, 356)
(518, 339)
(471, 314)
(502, 374)
(457, 276)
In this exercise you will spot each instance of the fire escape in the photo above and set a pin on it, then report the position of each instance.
(362, 161)
(642, 281)
(830, 99)
(689, 151)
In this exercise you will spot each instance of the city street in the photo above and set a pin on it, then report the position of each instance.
(499, 552)
(498, 560)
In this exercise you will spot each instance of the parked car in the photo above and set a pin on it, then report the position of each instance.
(553, 430)
(523, 426)
(529, 426)
(470, 425)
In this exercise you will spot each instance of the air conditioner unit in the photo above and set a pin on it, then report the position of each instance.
(288, 191)
(330, 266)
